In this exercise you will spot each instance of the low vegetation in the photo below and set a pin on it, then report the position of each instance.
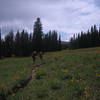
(66, 75)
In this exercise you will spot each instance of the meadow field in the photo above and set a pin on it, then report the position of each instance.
(66, 75)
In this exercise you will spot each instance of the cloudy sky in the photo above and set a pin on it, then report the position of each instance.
(65, 16)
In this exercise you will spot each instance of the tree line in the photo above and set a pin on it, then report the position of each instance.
(91, 38)
(23, 43)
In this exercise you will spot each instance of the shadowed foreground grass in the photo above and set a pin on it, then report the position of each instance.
(67, 75)
(13, 70)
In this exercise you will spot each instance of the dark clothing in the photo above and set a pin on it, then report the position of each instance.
(39, 54)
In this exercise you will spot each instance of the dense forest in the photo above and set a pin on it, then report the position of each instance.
(23, 43)
(91, 38)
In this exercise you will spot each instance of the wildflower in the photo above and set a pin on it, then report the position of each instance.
(72, 80)
(2, 86)
(97, 75)
(65, 70)
(16, 78)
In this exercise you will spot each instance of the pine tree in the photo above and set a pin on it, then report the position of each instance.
(54, 40)
(17, 44)
(30, 43)
(89, 39)
(59, 43)
(24, 44)
(9, 44)
(37, 36)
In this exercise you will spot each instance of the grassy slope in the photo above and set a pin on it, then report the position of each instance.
(67, 75)
(12, 70)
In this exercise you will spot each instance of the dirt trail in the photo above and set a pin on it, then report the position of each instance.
(34, 69)
(33, 74)
(29, 80)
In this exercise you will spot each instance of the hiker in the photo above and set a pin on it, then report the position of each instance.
(34, 55)
(39, 54)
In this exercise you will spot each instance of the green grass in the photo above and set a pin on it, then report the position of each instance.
(13, 70)
(67, 75)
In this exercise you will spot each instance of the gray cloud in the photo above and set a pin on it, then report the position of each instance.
(66, 16)
(97, 3)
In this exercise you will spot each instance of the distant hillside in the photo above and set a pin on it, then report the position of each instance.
(64, 42)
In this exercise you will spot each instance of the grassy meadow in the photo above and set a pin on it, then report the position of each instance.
(66, 75)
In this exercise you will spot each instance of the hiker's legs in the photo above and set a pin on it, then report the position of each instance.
(41, 58)
(33, 59)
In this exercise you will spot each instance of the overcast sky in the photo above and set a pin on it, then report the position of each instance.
(65, 16)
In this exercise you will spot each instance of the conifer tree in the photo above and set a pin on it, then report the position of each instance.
(9, 44)
(17, 44)
(37, 36)
(59, 43)
(84, 40)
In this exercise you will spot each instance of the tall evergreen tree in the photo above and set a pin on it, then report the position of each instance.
(54, 40)
(17, 44)
(30, 43)
(37, 36)
(59, 43)
(24, 43)
(9, 44)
